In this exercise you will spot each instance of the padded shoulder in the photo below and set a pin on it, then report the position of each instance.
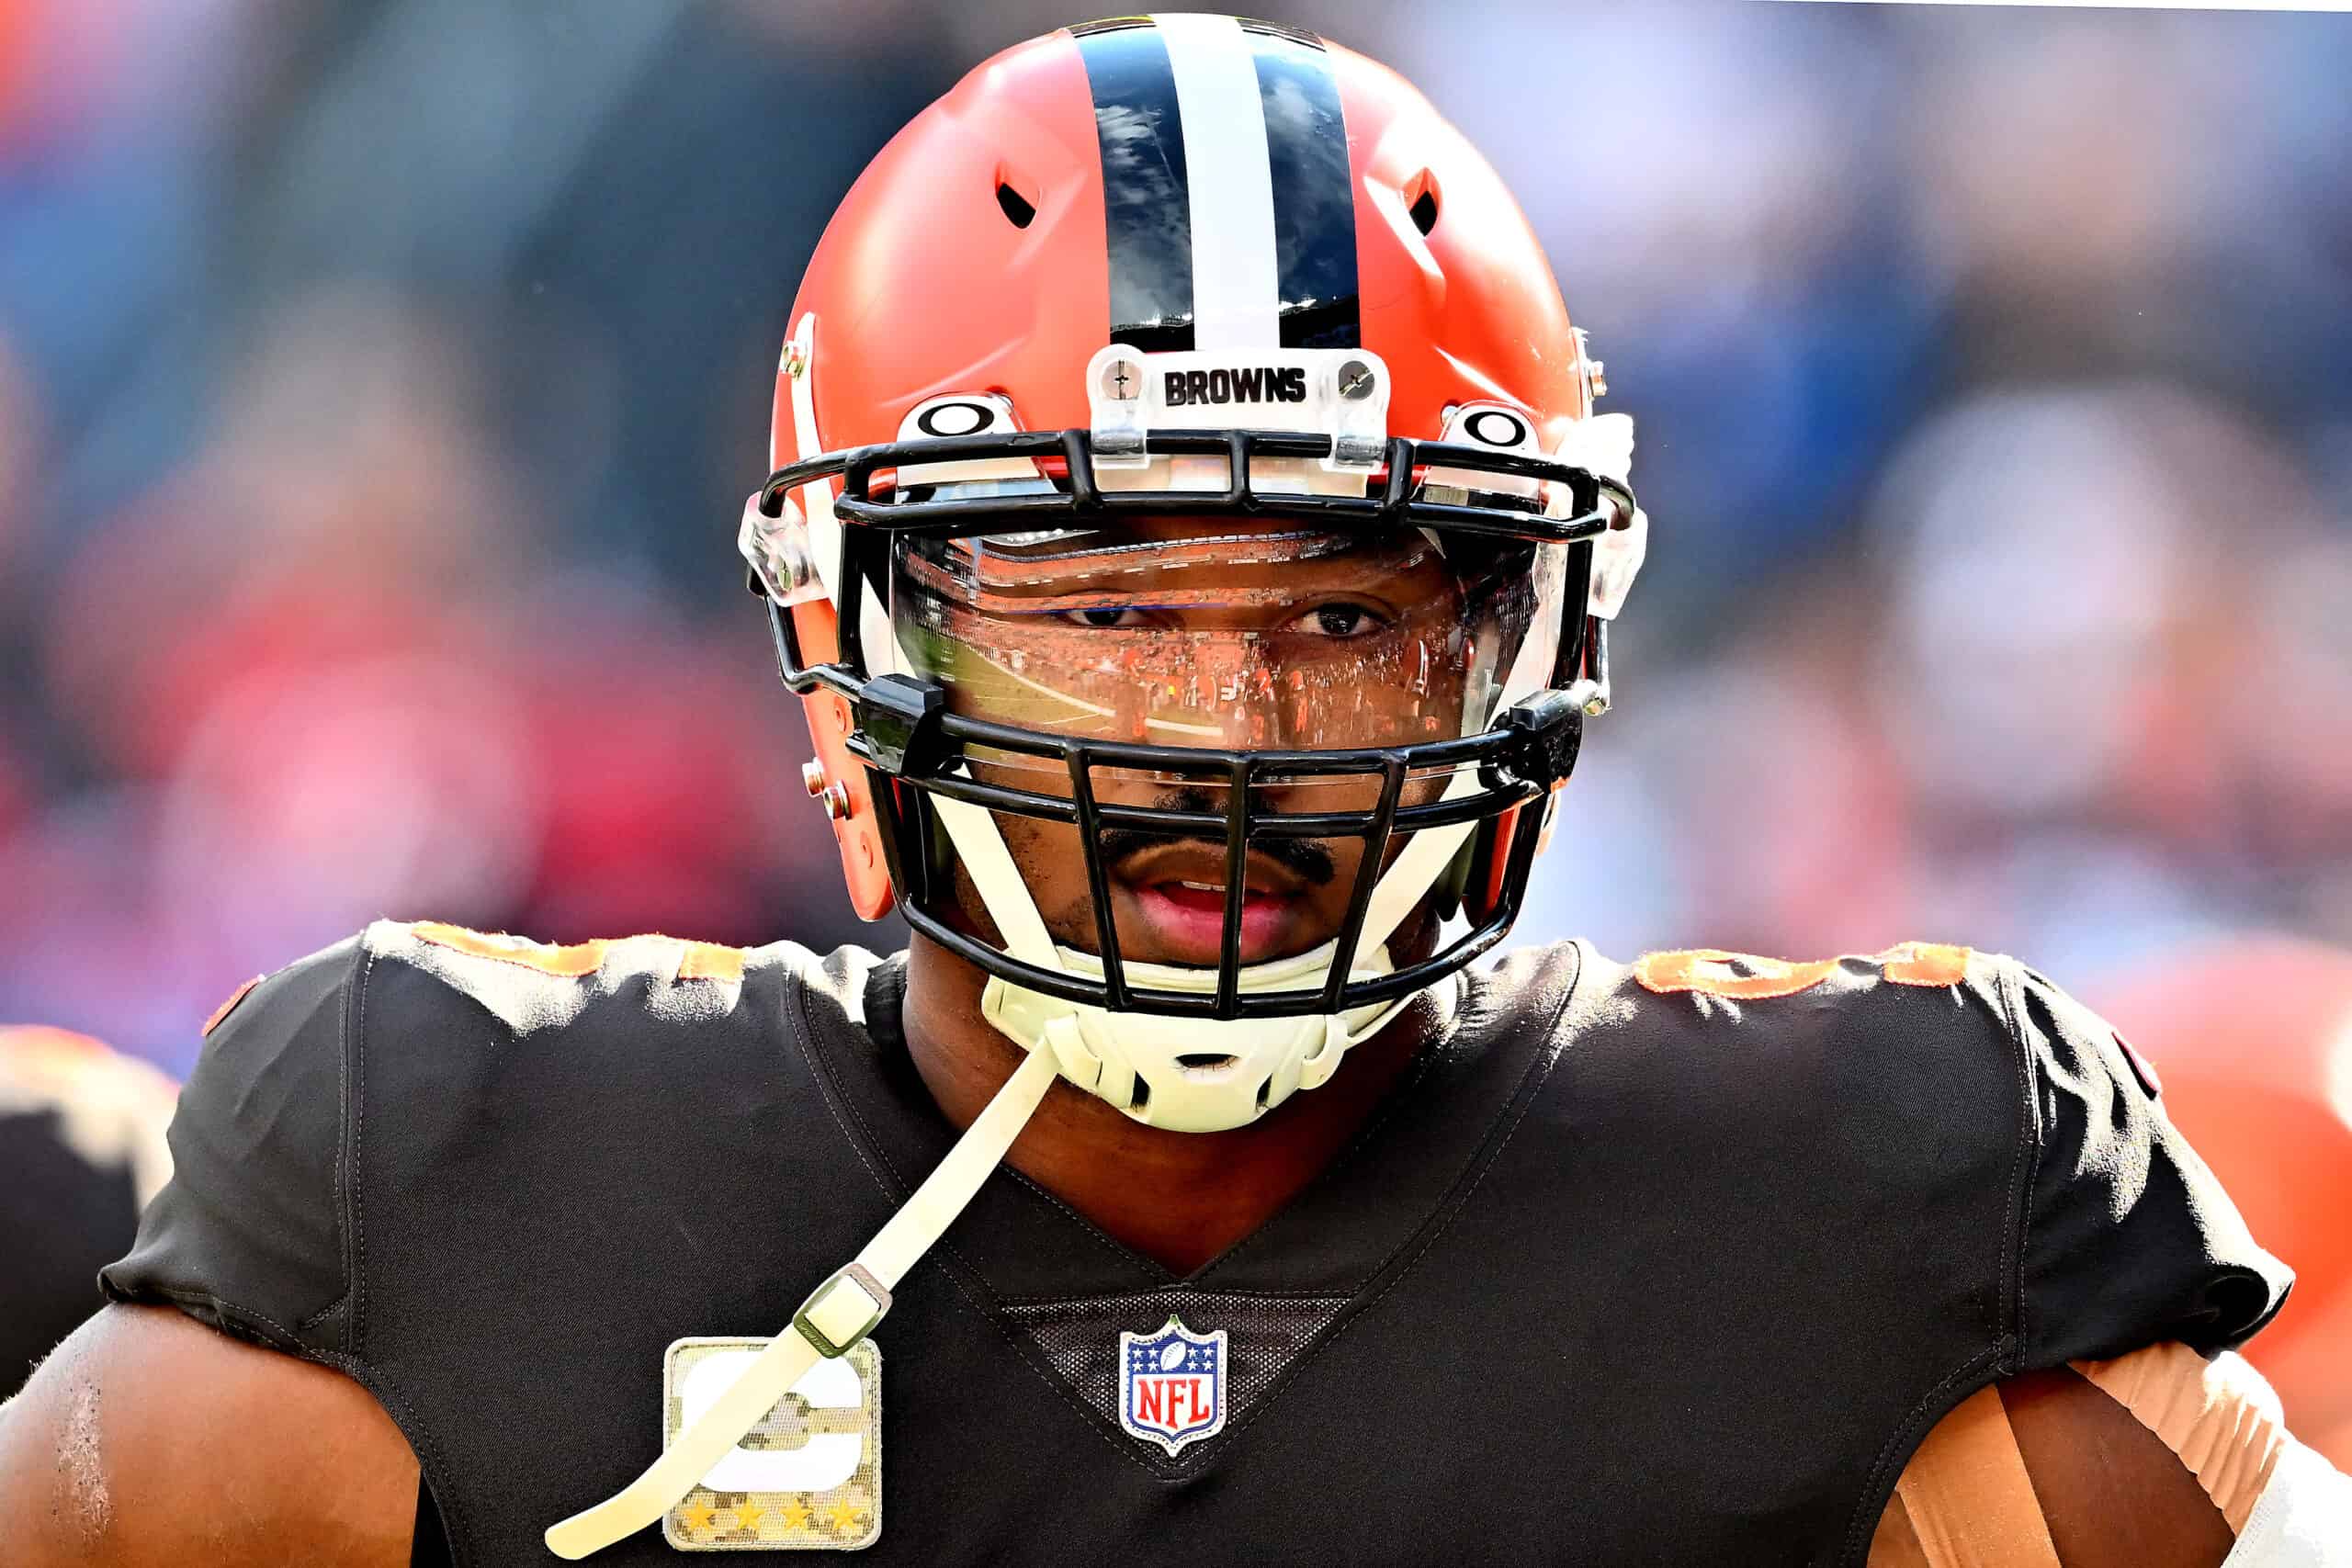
(258, 1233)
(1932, 1075)
(1912, 1032)
(1879, 1095)
(2130, 1239)
(248, 1233)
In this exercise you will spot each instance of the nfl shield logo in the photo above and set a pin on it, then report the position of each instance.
(1172, 1385)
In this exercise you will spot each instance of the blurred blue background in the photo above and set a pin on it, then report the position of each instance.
(379, 385)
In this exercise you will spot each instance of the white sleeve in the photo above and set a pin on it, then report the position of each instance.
(2303, 1518)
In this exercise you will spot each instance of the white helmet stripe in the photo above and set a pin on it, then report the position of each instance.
(817, 495)
(1237, 296)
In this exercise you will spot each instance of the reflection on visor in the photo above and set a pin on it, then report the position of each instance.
(1270, 636)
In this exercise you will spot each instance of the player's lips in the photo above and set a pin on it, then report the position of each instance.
(1179, 893)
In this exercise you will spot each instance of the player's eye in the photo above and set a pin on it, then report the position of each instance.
(1107, 618)
(1341, 618)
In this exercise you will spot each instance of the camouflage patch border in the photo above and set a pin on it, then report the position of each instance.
(843, 1518)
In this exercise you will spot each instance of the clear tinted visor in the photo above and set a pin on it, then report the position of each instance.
(1269, 635)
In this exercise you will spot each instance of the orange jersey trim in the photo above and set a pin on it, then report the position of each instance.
(1746, 976)
(225, 1009)
(573, 963)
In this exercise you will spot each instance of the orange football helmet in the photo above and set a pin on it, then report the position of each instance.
(1122, 279)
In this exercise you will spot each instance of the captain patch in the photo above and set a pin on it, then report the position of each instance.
(808, 1478)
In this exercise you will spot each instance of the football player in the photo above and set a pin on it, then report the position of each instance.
(1196, 549)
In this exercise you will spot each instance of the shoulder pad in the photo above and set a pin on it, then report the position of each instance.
(2129, 1239)
(1755, 1047)
(248, 1233)
(1931, 1076)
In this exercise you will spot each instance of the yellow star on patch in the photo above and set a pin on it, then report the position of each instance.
(796, 1515)
(748, 1518)
(695, 1517)
(845, 1517)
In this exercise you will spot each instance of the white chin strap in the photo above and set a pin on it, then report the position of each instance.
(1190, 1075)
(1137, 1061)
(837, 1314)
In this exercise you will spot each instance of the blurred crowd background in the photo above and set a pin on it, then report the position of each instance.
(379, 385)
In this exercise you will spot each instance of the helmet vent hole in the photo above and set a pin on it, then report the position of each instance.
(1265, 1092)
(1017, 208)
(1205, 1063)
(1142, 1096)
(1421, 200)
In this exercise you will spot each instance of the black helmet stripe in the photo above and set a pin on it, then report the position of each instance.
(1229, 215)
(1146, 196)
(1315, 214)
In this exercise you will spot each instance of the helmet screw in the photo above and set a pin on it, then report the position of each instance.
(834, 796)
(789, 564)
(1121, 380)
(1355, 381)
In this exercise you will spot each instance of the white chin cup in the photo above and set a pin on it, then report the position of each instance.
(1191, 1074)
(1238, 1068)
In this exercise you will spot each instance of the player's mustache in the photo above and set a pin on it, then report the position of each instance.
(1303, 858)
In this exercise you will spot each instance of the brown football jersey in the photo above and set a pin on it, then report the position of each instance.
(1662, 1263)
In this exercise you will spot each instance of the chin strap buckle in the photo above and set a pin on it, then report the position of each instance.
(898, 718)
(841, 1311)
(1550, 725)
